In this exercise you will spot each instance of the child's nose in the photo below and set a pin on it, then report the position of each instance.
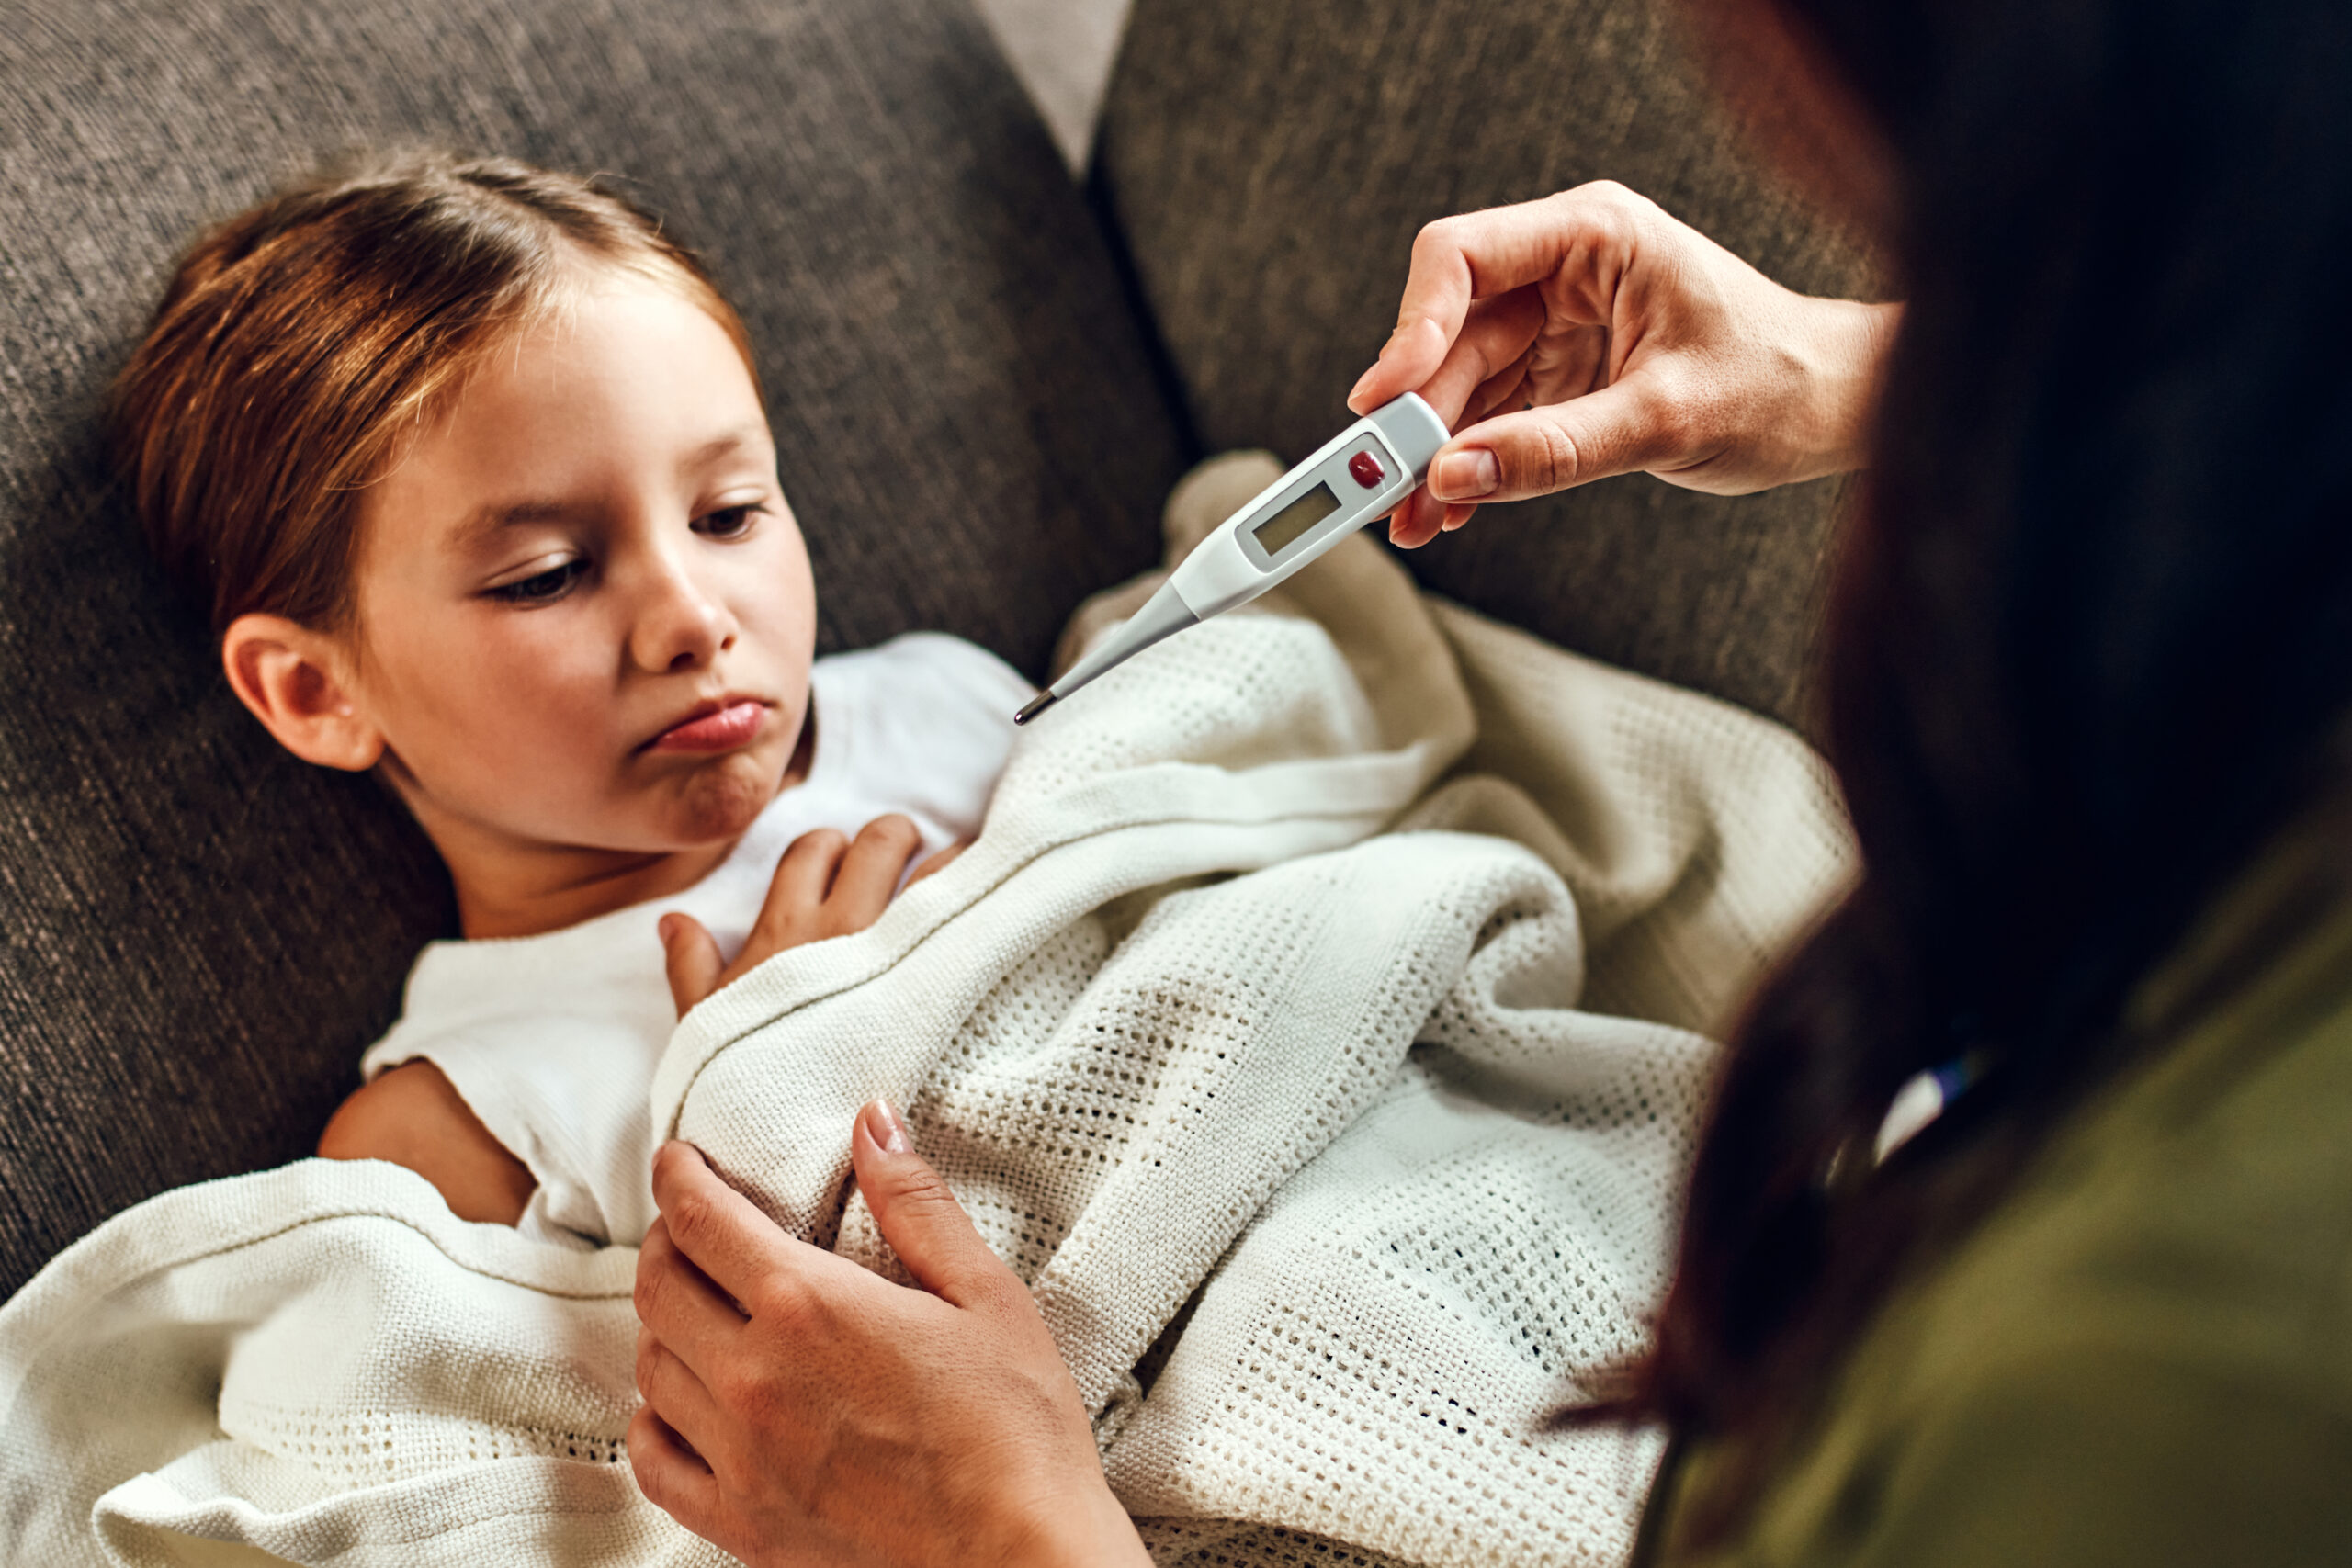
(682, 627)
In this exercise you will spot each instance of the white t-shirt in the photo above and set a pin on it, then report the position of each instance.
(552, 1039)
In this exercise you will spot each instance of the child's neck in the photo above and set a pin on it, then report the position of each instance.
(502, 894)
(508, 887)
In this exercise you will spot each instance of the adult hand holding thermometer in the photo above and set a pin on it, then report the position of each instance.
(1359, 475)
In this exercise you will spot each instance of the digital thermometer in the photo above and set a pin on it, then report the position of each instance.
(1360, 474)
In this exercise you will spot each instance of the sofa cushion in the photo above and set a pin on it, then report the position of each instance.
(1268, 166)
(199, 934)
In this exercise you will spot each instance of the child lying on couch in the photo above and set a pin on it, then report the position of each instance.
(470, 465)
(1320, 995)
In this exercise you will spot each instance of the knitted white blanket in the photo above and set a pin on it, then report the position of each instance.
(1311, 1025)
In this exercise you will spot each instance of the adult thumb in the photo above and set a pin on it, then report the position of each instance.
(1509, 457)
(918, 1215)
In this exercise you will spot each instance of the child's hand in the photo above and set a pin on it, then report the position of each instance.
(826, 886)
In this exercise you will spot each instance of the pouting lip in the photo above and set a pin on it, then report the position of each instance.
(703, 710)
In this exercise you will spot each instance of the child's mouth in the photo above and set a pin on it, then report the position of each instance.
(722, 730)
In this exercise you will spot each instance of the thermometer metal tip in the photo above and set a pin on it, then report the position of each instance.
(1163, 614)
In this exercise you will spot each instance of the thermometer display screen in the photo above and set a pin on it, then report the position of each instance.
(1285, 526)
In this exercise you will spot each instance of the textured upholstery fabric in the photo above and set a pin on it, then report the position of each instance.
(197, 934)
(1268, 166)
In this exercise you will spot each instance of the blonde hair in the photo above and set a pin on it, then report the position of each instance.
(299, 341)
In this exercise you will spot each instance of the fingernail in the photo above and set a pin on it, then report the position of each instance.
(663, 927)
(1465, 475)
(1357, 390)
(882, 1125)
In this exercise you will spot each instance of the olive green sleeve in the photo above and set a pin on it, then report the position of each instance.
(2111, 1458)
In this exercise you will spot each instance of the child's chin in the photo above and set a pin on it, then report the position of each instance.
(722, 800)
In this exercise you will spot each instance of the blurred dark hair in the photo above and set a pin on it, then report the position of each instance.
(2090, 637)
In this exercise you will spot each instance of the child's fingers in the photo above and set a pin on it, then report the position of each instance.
(940, 862)
(796, 894)
(690, 959)
(804, 875)
(869, 874)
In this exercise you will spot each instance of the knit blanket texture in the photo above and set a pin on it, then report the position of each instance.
(1316, 1026)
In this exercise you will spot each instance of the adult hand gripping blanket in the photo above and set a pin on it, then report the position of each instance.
(1313, 1026)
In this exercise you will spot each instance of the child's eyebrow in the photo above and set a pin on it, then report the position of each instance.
(711, 451)
(485, 520)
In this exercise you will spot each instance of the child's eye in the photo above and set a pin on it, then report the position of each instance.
(541, 587)
(728, 522)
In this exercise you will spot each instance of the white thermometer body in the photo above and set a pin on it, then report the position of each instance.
(1359, 475)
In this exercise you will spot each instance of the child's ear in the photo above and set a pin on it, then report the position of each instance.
(296, 682)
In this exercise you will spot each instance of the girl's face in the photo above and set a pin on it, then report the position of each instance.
(584, 612)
